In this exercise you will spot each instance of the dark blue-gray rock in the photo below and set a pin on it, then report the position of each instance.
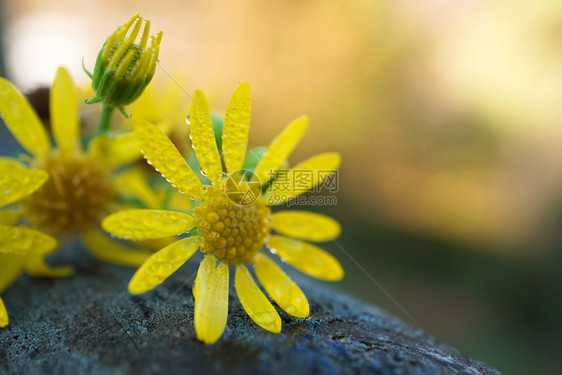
(89, 324)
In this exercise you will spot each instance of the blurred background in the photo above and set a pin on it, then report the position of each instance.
(448, 115)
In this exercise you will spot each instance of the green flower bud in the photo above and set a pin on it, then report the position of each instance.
(124, 68)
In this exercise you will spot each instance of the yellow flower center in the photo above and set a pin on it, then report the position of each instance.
(74, 198)
(232, 232)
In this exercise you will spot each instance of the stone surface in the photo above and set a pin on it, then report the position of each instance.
(89, 324)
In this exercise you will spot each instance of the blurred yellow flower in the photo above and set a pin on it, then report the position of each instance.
(21, 248)
(162, 104)
(233, 220)
(81, 187)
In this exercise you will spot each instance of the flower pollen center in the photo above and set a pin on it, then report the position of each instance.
(74, 198)
(233, 233)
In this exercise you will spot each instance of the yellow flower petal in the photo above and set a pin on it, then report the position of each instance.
(132, 184)
(306, 225)
(36, 266)
(255, 302)
(211, 304)
(64, 111)
(162, 264)
(25, 241)
(280, 287)
(4, 321)
(208, 264)
(108, 250)
(236, 126)
(293, 185)
(166, 159)
(9, 217)
(19, 184)
(116, 151)
(7, 165)
(280, 149)
(141, 224)
(10, 269)
(203, 138)
(22, 120)
(307, 258)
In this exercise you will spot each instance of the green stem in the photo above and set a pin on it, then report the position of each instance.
(105, 120)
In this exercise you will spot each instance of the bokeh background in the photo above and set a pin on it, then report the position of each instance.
(448, 115)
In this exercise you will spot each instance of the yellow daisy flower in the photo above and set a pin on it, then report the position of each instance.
(81, 188)
(230, 228)
(21, 248)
